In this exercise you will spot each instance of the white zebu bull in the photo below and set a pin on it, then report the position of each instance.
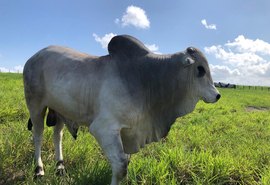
(128, 98)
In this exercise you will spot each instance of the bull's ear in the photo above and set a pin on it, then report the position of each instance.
(188, 61)
(190, 52)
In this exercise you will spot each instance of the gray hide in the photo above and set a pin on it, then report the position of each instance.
(128, 98)
(154, 87)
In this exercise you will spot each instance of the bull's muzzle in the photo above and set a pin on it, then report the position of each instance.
(218, 97)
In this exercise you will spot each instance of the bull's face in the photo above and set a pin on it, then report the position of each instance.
(202, 82)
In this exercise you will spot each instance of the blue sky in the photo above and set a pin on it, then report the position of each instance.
(233, 34)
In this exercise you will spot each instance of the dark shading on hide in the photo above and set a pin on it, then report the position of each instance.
(51, 118)
(29, 124)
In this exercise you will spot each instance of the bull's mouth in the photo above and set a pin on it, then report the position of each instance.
(212, 100)
(205, 100)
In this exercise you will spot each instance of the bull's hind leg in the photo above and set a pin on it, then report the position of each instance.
(37, 118)
(58, 134)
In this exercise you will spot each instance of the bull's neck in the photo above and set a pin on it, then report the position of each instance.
(171, 96)
(166, 83)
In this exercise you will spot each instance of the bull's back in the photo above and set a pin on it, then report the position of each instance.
(63, 79)
(48, 61)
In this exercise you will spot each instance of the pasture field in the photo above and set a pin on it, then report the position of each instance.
(223, 143)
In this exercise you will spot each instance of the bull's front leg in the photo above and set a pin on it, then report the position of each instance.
(110, 141)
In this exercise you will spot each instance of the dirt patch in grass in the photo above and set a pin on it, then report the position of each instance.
(13, 178)
(255, 108)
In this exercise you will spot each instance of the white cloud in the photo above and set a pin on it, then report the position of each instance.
(134, 16)
(16, 69)
(244, 61)
(3, 69)
(153, 47)
(117, 21)
(242, 44)
(221, 73)
(104, 40)
(230, 56)
(208, 26)
(224, 70)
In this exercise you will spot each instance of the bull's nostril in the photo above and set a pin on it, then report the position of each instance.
(218, 97)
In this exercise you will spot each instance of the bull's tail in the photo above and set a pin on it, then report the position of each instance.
(50, 121)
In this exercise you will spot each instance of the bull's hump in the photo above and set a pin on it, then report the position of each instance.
(125, 46)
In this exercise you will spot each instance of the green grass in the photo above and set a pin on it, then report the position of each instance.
(223, 143)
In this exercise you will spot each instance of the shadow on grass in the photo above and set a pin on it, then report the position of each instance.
(12, 178)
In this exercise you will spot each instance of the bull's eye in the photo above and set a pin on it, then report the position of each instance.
(201, 71)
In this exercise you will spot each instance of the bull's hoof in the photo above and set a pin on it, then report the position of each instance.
(60, 168)
(39, 172)
(60, 172)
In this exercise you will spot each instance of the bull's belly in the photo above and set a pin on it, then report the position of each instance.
(77, 111)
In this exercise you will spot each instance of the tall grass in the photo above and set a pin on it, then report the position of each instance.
(223, 143)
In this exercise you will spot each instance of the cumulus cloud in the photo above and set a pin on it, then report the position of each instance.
(244, 61)
(232, 56)
(222, 73)
(16, 69)
(208, 26)
(153, 47)
(224, 70)
(242, 44)
(104, 40)
(3, 69)
(134, 16)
